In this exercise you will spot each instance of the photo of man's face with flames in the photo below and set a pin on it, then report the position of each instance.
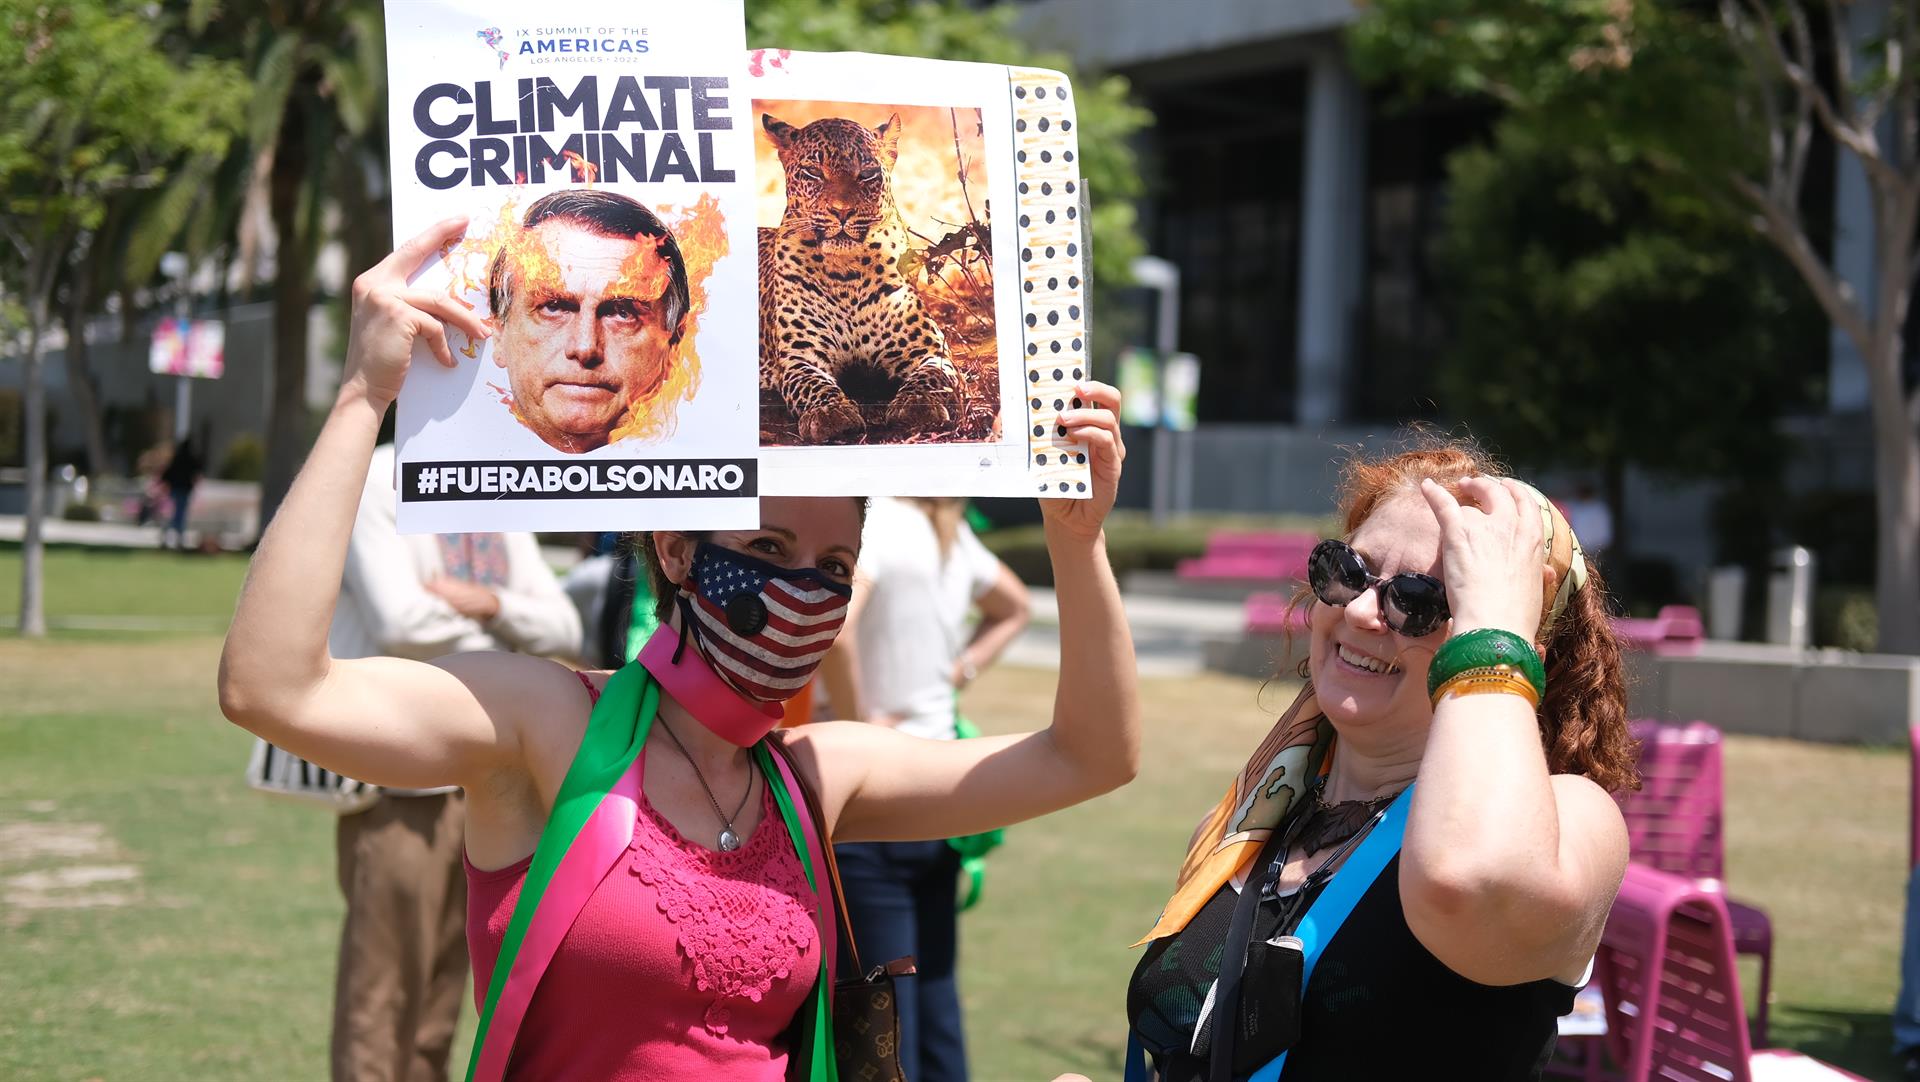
(590, 304)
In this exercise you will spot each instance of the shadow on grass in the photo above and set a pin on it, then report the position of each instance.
(1860, 1041)
(1090, 1056)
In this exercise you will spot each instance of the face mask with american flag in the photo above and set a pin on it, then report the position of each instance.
(764, 628)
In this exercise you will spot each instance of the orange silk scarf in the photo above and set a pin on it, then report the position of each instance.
(1263, 798)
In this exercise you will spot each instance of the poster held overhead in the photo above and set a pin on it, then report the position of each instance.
(605, 161)
(922, 290)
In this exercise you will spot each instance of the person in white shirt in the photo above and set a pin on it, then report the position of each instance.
(403, 950)
(922, 575)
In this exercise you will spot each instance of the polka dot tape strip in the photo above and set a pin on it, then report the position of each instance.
(1053, 286)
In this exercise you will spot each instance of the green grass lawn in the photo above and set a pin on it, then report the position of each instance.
(160, 921)
(116, 589)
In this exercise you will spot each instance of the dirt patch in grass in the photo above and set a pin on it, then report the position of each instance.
(51, 864)
(23, 842)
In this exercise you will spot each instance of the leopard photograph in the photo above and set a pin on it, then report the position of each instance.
(876, 283)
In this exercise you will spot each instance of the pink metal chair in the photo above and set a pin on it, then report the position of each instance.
(1273, 614)
(1666, 966)
(1676, 630)
(1263, 556)
(1674, 823)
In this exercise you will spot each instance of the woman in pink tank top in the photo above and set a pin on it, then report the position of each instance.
(693, 937)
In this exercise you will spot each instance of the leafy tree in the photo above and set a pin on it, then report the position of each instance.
(122, 257)
(96, 110)
(1601, 322)
(955, 30)
(315, 143)
(1724, 101)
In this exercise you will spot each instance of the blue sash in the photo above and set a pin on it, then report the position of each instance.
(1322, 920)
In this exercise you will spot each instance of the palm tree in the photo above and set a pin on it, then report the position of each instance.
(122, 257)
(316, 134)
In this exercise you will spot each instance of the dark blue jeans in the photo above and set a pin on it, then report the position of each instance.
(901, 896)
(182, 500)
(1906, 1009)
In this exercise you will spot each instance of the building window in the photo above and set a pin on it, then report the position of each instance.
(1402, 327)
(1227, 213)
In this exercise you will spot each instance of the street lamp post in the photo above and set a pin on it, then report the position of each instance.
(177, 267)
(1163, 278)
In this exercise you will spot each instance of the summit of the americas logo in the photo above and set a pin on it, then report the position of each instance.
(549, 44)
(493, 37)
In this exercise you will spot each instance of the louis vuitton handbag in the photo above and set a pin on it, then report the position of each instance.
(866, 1012)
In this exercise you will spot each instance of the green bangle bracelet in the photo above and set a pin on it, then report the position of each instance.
(1481, 648)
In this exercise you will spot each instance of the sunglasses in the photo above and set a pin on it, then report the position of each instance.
(1412, 604)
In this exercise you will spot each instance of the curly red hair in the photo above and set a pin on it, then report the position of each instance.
(1583, 717)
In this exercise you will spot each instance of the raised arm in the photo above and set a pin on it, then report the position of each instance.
(383, 720)
(1508, 871)
(886, 785)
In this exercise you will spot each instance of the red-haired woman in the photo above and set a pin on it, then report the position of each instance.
(1410, 875)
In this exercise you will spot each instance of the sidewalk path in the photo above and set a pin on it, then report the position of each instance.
(123, 535)
(1167, 632)
(62, 532)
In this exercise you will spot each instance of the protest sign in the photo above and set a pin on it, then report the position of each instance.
(922, 276)
(604, 156)
(188, 347)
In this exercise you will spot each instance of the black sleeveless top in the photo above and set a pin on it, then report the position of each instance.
(1378, 1006)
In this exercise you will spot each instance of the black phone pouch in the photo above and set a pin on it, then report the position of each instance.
(1269, 1015)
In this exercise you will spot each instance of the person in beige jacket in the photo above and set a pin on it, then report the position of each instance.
(403, 951)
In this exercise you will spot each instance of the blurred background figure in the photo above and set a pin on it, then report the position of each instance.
(905, 655)
(403, 950)
(1592, 522)
(149, 468)
(613, 598)
(180, 476)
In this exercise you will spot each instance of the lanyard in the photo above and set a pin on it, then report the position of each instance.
(1322, 920)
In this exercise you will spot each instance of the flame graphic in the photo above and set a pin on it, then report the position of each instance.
(583, 170)
(646, 274)
(701, 233)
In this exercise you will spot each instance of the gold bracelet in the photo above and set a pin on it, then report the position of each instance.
(1489, 680)
(1496, 669)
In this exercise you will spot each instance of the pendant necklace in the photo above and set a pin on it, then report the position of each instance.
(729, 841)
(1319, 827)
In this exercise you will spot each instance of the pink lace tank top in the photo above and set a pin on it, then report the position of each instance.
(686, 963)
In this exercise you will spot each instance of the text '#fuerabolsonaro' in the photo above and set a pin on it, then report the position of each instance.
(432, 482)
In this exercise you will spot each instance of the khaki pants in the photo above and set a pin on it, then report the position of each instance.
(403, 951)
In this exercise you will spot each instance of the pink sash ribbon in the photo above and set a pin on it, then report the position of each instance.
(594, 853)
